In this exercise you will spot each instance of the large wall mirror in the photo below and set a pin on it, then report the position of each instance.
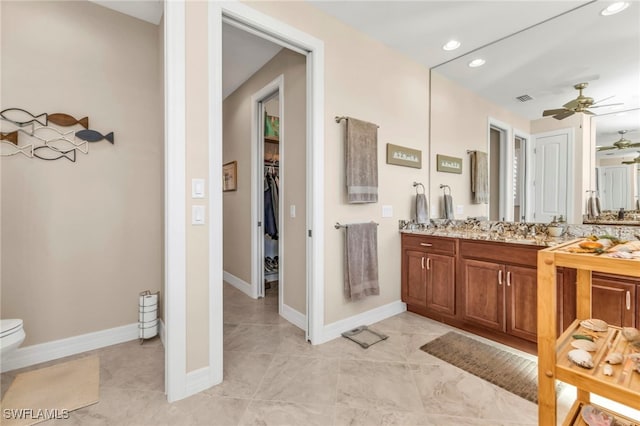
(541, 167)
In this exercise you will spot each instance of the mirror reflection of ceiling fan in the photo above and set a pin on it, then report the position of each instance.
(623, 143)
(579, 104)
(634, 161)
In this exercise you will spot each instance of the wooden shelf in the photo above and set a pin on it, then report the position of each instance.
(272, 139)
(553, 363)
(574, 418)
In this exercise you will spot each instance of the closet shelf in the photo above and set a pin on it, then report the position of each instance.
(272, 139)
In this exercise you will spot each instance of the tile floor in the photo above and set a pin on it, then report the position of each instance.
(272, 377)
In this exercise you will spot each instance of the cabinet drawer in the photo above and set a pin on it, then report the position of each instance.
(441, 245)
(515, 254)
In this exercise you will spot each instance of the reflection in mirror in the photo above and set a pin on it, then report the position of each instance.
(540, 167)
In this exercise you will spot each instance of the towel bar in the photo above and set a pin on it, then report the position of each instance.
(339, 118)
(418, 184)
(338, 225)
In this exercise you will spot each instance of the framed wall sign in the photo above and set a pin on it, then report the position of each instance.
(230, 176)
(448, 164)
(402, 156)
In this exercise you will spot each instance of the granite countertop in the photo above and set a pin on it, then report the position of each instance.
(485, 236)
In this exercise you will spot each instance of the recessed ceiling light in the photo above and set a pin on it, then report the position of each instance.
(451, 45)
(476, 63)
(614, 8)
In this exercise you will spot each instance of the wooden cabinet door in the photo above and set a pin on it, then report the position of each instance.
(613, 301)
(441, 285)
(415, 279)
(522, 302)
(483, 293)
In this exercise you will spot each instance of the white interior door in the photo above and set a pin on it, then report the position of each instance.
(615, 191)
(551, 165)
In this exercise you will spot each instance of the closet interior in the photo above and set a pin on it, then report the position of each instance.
(271, 192)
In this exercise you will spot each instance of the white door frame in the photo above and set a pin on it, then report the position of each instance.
(527, 178)
(257, 188)
(180, 384)
(506, 153)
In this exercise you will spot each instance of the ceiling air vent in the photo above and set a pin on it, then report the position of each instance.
(524, 98)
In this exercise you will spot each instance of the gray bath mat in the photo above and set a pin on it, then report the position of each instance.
(364, 336)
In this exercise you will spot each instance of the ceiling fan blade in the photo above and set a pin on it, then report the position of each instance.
(586, 111)
(607, 105)
(606, 148)
(572, 104)
(603, 99)
(634, 145)
(563, 115)
(628, 162)
(553, 112)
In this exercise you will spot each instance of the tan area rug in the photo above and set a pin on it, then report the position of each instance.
(509, 371)
(51, 392)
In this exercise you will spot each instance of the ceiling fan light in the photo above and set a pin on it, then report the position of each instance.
(451, 45)
(477, 63)
(614, 8)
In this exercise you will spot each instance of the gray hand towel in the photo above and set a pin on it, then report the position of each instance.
(448, 207)
(422, 209)
(361, 261)
(480, 177)
(361, 161)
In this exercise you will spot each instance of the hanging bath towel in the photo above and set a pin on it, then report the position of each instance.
(422, 209)
(361, 161)
(479, 177)
(448, 206)
(361, 261)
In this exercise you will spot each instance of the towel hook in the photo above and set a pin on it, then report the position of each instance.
(445, 189)
(416, 185)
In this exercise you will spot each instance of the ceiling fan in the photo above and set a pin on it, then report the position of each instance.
(579, 104)
(621, 144)
(634, 161)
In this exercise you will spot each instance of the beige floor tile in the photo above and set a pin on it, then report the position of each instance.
(243, 372)
(255, 338)
(201, 409)
(384, 385)
(278, 413)
(301, 380)
(448, 390)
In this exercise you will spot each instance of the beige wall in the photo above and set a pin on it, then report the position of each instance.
(459, 123)
(366, 80)
(237, 147)
(81, 240)
(197, 166)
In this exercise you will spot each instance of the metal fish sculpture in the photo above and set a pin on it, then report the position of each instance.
(47, 153)
(60, 141)
(9, 149)
(10, 137)
(93, 136)
(21, 118)
(66, 120)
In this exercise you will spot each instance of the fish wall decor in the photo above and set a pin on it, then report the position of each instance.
(21, 117)
(66, 120)
(47, 153)
(93, 136)
(8, 149)
(10, 137)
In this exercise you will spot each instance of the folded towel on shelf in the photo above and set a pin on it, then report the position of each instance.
(448, 207)
(422, 209)
(361, 261)
(479, 177)
(361, 161)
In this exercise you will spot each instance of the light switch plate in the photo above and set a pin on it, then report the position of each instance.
(197, 188)
(387, 211)
(197, 215)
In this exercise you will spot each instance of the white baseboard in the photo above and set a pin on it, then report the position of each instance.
(198, 380)
(43, 352)
(294, 317)
(335, 329)
(238, 283)
(161, 331)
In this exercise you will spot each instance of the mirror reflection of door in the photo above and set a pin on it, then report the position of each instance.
(495, 172)
(551, 164)
(615, 191)
(519, 173)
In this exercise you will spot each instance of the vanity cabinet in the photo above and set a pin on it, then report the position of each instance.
(614, 300)
(500, 297)
(429, 274)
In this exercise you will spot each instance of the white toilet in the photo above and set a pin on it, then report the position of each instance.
(11, 335)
